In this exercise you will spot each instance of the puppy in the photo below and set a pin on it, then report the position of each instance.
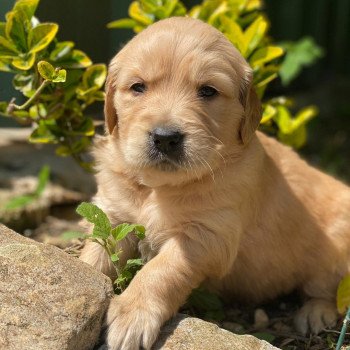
(223, 205)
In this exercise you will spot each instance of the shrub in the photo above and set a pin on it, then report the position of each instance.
(59, 81)
(246, 26)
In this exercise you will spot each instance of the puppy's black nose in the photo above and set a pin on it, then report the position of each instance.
(167, 141)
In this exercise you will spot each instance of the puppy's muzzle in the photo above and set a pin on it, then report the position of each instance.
(166, 144)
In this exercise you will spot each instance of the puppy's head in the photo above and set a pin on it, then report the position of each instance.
(179, 99)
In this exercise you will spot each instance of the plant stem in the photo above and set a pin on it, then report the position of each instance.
(343, 330)
(13, 106)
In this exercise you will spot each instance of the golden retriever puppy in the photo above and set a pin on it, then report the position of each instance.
(223, 205)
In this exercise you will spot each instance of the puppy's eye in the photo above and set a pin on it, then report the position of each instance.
(207, 91)
(138, 87)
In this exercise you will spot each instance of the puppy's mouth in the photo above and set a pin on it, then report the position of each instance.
(166, 149)
(163, 162)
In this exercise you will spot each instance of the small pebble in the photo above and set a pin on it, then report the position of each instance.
(261, 320)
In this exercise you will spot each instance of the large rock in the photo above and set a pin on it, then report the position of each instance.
(48, 299)
(188, 333)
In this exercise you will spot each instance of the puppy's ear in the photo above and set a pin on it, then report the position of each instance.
(252, 109)
(111, 118)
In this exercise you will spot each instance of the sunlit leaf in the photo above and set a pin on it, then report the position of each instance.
(139, 15)
(25, 61)
(28, 7)
(41, 36)
(61, 50)
(234, 33)
(37, 111)
(95, 76)
(7, 48)
(93, 214)
(268, 113)
(77, 59)
(264, 55)
(127, 23)
(60, 76)
(253, 34)
(15, 29)
(46, 70)
(42, 135)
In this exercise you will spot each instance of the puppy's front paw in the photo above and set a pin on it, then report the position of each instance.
(131, 324)
(315, 315)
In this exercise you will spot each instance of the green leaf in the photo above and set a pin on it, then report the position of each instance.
(300, 54)
(41, 36)
(254, 34)
(43, 178)
(77, 59)
(28, 7)
(304, 115)
(268, 113)
(122, 230)
(343, 294)
(95, 76)
(46, 70)
(15, 29)
(139, 15)
(95, 215)
(23, 82)
(7, 48)
(3, 29)
(19, 202)
(60, 76)
(126, 23)
(132, 263)
(283, 118)
(25, 61)
(140, 231)
(42, 134)
(219, 11)
(234, 33)
(38, 111)
(264, 55)
(61, 50)
(114, 257)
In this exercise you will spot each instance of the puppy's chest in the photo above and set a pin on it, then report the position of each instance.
(162, 222)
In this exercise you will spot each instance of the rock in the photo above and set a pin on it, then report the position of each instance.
(49, 300)
(261, 320)
(188, 333)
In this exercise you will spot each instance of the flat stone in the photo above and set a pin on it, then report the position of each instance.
(49, 300)
(188, 333)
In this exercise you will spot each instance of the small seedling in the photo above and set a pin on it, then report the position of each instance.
(108, 237)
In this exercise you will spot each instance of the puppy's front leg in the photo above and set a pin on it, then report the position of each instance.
(157, 291)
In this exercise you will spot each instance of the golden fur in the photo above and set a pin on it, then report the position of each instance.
(242, 213)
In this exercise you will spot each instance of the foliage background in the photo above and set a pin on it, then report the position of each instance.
(326, 84)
